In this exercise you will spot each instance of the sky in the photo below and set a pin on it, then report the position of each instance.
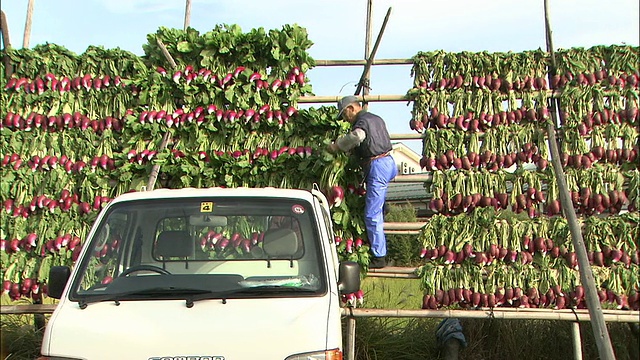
(338, 29)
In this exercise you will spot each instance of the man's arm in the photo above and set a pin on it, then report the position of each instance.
(350, 140)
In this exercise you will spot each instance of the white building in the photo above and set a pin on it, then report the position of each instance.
(408, 193)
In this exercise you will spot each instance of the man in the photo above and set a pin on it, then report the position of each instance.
(372, 145)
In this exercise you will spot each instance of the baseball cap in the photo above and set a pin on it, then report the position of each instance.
(344, 102)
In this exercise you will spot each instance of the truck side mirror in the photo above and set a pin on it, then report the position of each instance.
(58, 277)
(349, 277)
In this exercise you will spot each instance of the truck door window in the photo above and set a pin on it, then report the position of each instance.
(105, 251)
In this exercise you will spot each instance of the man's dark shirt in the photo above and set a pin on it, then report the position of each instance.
(377, 140)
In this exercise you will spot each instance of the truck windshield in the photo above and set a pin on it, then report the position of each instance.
(180, 247)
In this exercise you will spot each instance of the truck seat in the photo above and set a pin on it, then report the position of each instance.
(281, 243)
(174, 243)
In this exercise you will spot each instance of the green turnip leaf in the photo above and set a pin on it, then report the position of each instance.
(184, 46)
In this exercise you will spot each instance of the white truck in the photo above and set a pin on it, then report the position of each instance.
(204, 274)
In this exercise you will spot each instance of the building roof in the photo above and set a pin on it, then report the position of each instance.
(406, 191)
(402, 148)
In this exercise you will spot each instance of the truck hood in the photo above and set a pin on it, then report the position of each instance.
(272, 328)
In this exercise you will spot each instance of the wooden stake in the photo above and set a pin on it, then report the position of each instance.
(603, 342)
(166, 54)
(577, 349)
(6, 40)
(187, 14)
(6, 45)
(27, 25)
(367, 66)
(351, 338)
(155, 170)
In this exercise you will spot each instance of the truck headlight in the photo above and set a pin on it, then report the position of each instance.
(334, 354)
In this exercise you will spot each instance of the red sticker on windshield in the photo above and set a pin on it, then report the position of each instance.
(297, 209)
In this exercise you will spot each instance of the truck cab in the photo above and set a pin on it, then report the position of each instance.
(204, 274)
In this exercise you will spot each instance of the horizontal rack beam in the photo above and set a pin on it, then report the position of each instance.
(373, 98)
(393, 275)
(404, 225)
(487, 313)
(27, 309)
(363, 62)
(335, 98)
(394, 272)
(497, 313)
(402, 232)
(414, 136)
(413, 178)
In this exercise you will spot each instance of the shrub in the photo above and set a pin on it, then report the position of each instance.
(403, 249)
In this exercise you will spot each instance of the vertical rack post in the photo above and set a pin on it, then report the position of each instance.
(351, 321)
(351, 338)
(577, 348)
(367, 48)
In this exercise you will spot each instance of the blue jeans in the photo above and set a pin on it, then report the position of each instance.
(381, 172)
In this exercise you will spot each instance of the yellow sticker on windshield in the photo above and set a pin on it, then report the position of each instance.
(206, 206)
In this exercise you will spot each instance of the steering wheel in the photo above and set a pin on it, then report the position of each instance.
(151, 268)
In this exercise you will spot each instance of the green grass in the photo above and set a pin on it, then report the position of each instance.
(414, 339)
(19, 335)
(394, 338)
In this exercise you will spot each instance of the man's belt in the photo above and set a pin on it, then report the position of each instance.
(379, 156)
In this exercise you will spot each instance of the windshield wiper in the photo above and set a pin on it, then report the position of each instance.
(147, 292)
(253, 290)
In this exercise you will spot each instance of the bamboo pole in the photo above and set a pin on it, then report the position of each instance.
(351, 321)
(4, 24)
(600, 331)
(335, 98)
(367, 66)
(404, 225)
(27, 309)
(395, 270)
(367, 51)
(376, 98)
(27, 25)
(351, 338)
(402, 232)
(418, 136)
(363, 62)
(155, 170)
(413, 178)
(628, 316)
(6, 40)
(575, 332)
(6, 44)
(187, 14)
(567, 311)
(393, 276)
(415, 136)
(166, 53)
(488, 313)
